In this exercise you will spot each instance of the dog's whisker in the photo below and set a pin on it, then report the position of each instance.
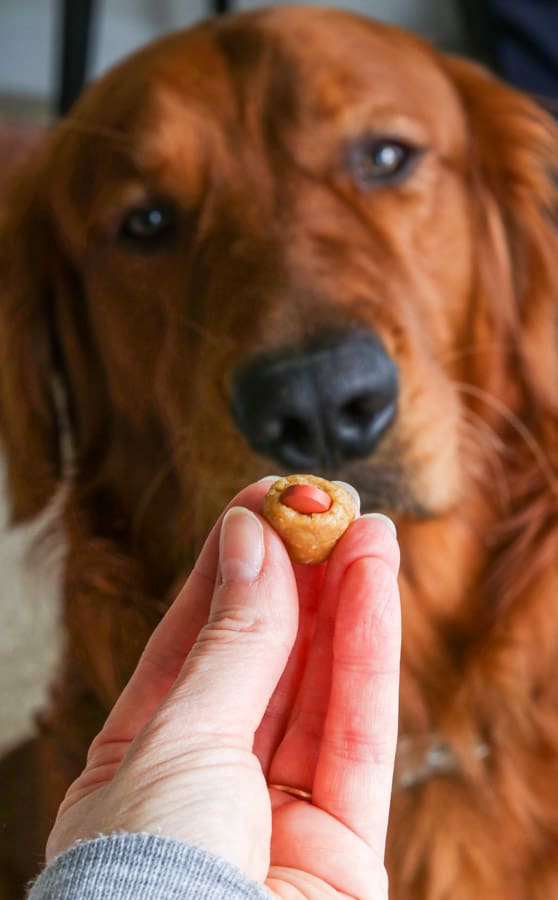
(183, 320)
(471, 350)
(520, 428)
(179, 449)
(487, 449)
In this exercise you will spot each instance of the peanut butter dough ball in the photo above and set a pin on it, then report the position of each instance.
(311, 518)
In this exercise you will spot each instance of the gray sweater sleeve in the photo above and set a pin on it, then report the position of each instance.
(142, 867)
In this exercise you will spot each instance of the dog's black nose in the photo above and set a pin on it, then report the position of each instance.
(320, 405)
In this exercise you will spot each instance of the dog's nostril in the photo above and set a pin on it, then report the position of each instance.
(358, 409)
(297, 432)
(289, 430)
(297, 442)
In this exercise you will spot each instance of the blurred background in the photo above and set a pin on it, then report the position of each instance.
(49, 46)
(31, 35)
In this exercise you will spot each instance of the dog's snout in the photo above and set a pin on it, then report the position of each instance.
(320, 405)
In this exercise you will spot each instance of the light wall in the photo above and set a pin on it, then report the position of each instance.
(29, 31)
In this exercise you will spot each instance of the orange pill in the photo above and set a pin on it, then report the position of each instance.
(306, 499)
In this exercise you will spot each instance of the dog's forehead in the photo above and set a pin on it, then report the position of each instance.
(199, 96)
(308, 64)
(341, 57)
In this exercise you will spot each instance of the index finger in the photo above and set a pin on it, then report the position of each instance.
(354, 773)
(302, 740)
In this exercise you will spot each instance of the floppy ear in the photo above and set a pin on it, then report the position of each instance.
(513, 164)
(29, 432)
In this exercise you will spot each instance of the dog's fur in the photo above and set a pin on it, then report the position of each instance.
(244, 124)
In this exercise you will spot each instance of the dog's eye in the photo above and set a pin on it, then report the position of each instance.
(379, 161)
(147, 227)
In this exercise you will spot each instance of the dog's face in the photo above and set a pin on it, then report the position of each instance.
(267, 233)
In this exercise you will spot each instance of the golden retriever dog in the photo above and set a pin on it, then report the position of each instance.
(297, 240)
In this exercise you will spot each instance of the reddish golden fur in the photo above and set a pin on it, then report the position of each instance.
(242, 124)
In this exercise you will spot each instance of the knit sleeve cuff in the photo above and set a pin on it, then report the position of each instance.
(137, 866)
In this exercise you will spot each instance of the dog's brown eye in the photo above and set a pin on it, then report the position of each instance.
(147, 227)
(379, 161)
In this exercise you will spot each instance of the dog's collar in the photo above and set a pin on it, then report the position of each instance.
(421, 757)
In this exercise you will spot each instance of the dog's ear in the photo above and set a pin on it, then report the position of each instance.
(512, 168)
(29, 428)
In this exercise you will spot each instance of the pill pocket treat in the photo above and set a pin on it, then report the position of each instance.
(310, 514)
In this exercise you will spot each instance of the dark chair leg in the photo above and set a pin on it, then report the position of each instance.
(77, 18)
(479, 29)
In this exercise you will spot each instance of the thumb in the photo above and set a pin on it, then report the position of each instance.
(233, 668)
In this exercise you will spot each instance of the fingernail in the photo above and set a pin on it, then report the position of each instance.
(269, 478)
(352, 491)
(381, 518)
(241, 545)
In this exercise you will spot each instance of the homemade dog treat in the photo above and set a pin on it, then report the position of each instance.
(310, 514)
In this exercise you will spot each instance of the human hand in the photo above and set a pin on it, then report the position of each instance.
(256, 677)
